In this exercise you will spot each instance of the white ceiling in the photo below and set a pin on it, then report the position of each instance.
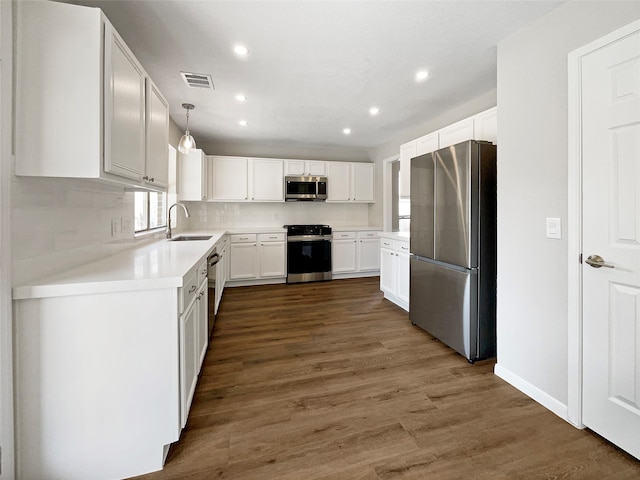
(315, 67)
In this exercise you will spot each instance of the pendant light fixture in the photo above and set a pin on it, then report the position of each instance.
(187, 143)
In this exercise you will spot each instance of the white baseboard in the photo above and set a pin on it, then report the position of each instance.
(533, 392)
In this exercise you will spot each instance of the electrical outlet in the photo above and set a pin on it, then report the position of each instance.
(115, 227)
(126, 225)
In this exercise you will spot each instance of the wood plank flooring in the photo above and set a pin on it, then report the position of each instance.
(329, 381)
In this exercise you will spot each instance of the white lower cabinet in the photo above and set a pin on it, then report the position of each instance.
(257, 258)
(193, 335)
(343, 252)
(394, 271)
(355, 254)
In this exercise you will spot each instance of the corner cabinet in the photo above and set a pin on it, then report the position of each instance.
(84, 114)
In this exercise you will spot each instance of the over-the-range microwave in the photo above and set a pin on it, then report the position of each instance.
(309, 189)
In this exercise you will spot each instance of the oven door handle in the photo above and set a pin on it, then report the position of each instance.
(309, 238)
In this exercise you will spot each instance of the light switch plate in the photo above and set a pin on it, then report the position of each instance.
(554, 228)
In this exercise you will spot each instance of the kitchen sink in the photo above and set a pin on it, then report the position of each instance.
(189, 238)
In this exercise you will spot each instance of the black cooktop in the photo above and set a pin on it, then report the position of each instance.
(308, 229)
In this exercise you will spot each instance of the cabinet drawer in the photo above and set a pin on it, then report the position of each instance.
(386, 243)
(344, 235)
(401, 246)
(271, 237)
(243, 238)
(367, 234)
(189, 289)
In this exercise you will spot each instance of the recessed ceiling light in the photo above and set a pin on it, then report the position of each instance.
(241, 98)
(243, 123)
(374, 111)
(421, 75)
(241, 50)
(346, 131)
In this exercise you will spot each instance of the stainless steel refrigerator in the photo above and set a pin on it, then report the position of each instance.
(453, 246)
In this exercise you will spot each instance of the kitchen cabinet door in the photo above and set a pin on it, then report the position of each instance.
(157, 125)
(368, 254)
(124, 107)
(243, 261)
(188, 359)
(266, 179)
(407, 152)
(338, 181)
(272, 259)
(427, 144)
(388, 271)
(202, 306)
(343, 252)
(456, 133)
(402, 283)
(228, 179)
(192, 176)
(362, 182)
(305, 168)
(485, 125)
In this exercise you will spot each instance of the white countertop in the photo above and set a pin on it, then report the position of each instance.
(161, 264)
(395, 235)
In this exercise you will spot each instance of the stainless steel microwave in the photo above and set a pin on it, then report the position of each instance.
(309, 189)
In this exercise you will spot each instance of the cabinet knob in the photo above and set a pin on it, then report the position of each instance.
(192, 289)
(152, 179)
(146, 177)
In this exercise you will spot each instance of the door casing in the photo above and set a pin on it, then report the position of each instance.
(574, 220)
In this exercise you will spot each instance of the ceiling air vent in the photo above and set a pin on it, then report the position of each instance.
(197, 80)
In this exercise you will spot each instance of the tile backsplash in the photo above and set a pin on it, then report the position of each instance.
(214, 215)
(62, 223)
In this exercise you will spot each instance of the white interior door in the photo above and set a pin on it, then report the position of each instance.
(611, 229)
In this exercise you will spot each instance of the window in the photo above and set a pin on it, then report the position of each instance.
(150, 211)
(400, 207)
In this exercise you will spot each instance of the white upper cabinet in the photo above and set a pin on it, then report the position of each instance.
(483, 126)
(362, 182)
(350, 182)
(427, 144)
(456, 133)
(314, 168)
(486, 125)
(157, 158)
(192, 176)
(124, 109)
(266, 180)
(407, 152)
(338, 182)
(228, 179)
(83, 114)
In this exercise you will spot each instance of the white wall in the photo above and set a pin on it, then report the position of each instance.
(532, 185)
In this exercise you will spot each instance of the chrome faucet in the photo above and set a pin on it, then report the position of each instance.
(186, 212)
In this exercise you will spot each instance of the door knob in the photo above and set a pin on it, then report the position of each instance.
(596, 261)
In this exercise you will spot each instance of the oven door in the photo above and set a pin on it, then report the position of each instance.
(308, 259)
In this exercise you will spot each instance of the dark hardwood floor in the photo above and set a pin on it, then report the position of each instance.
(329, 381)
